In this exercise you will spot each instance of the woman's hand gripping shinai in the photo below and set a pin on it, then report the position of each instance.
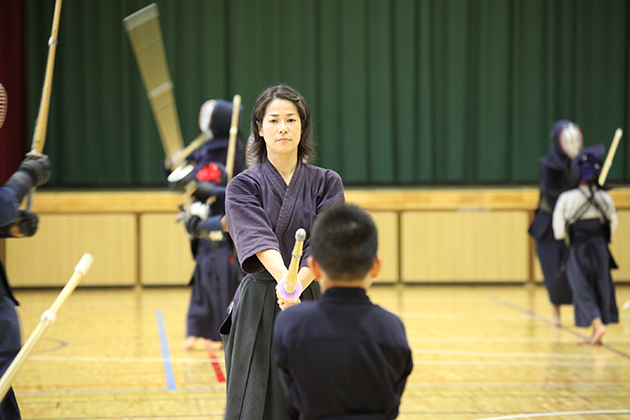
(272, 260)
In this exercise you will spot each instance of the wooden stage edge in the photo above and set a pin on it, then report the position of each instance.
(377, 199)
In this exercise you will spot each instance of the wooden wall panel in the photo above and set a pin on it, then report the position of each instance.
(165, 255)
(444, 235)
(620, 247)
(387, 225)
(464, 246)
(49, 257)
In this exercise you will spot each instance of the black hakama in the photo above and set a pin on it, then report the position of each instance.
(216, 277)
(551, 254)
(555, 177)
(588, 270)
(248, 347)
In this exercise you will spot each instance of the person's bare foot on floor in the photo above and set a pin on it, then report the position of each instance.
(189, 343)
(213, 345)
(555, 316)
(598, 332)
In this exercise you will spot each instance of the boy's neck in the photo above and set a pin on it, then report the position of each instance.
(357, 284)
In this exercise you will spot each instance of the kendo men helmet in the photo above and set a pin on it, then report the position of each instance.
(567, 138)
(215, 118)
(588, 164)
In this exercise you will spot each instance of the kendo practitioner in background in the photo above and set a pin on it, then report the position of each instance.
(217, 272)
(342, 357)
(15, 223)
(265, 206)
(555, 177)
(587, 217)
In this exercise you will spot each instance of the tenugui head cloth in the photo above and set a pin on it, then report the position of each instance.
(588, 163)
(567, 138)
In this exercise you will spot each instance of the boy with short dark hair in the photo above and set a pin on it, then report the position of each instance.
(342, 357)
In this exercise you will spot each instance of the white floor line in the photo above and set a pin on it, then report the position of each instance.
(560, 339)
(126, 359)
(562, 413)
(506, 363)
(514, 355)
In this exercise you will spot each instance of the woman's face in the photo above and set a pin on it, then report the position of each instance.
(281, 127)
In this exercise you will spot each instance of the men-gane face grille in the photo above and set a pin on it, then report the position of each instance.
(571, 140)
(3, 104)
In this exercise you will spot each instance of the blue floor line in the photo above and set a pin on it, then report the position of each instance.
(166, 354)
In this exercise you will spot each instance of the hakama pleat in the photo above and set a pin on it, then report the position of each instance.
(593, 288)
(551, 254)
(254, 391)
(216, 278)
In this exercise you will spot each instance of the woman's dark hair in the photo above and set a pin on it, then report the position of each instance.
(256, 147)
(344, 241)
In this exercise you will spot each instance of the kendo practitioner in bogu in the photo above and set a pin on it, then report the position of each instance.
(586, 217)
(15, 223)
(217, 271)
(555, 177)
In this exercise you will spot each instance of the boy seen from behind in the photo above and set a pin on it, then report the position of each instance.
(342, 357)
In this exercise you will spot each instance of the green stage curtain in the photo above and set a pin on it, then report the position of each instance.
(402, 92)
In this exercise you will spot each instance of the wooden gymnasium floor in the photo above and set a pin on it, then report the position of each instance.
(480, 352)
